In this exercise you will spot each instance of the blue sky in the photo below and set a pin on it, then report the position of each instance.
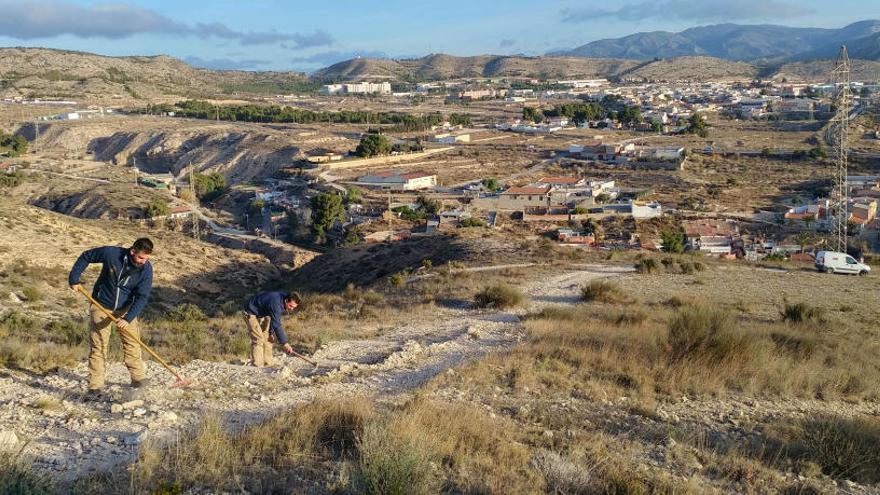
(307, 35)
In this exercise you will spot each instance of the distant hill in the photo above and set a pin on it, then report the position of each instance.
(820, 71)
(867, 48)
(735, 42)
(442, 66)
(690, 69)
(47, 72)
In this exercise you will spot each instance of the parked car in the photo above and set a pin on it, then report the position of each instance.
(837, 262)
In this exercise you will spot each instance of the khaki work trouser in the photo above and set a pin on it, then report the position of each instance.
(261, 348)
(99, 336)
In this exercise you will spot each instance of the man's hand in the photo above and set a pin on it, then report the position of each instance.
(122, 324)
(76, 287)
(271, 338)
(287, 349)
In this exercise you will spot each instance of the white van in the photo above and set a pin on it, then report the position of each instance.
(836, 262)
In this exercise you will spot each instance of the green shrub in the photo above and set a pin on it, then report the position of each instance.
(68, 332)
(186, 312)
(471, 222)
(393, 464)
(32, 294)
(397, 279)
(647, 266)
(16, 478)
(601, 291)
(686, 267)
(498, 296)
(843, 448)
(802, 313)
(17, 323)
(705, 333)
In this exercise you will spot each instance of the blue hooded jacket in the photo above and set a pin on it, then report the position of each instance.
(121, 283)
(269, 304)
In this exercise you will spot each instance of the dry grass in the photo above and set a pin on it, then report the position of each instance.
(17, 478)
(653, 351)
(345, 447)
(500, 296)
(843, 448)
(602, 291)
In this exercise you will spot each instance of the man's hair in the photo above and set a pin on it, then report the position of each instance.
(143, 245)
(295, 297)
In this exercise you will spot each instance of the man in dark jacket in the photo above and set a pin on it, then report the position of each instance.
(123, 288)
(262, 314)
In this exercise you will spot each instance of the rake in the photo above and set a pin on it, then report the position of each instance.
(181, 382)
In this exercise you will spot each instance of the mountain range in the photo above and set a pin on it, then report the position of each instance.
(764, 43)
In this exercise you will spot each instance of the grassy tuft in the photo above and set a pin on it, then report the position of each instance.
(699, 333)
(800, 313)
(602, 291)
(499, 296)
(647, 266)
(16, 478)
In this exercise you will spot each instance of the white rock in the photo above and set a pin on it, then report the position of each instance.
(111, 439)
(168, 416)
(139, 411)
(116, 408)
(132, 404)
(8, 440)
(14, 298)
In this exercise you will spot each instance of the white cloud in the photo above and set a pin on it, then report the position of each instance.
(49, 19)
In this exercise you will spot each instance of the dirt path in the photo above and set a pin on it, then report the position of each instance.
(70, 437)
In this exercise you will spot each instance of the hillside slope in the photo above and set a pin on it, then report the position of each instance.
(46, 72)
(691, 69)
(442, 66)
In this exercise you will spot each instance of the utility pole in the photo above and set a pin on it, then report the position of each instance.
(192, 188)
(840, 192)
(135, 167)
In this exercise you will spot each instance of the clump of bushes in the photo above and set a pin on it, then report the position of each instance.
(647, 266)
(499, 296)
(799, 313)
(186, 312)
(601, 291)
(397, 279)
(843, 448)
(471, 222)
(701, 333)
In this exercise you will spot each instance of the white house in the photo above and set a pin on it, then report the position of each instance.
(667, 154)
(641, 211)
(398, 180)
(452, 138)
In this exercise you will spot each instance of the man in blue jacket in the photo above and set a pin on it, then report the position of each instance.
(262, 314)
(123, 288)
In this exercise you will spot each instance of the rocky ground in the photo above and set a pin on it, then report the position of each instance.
(48, 418)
